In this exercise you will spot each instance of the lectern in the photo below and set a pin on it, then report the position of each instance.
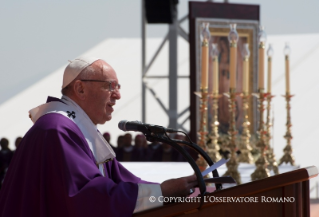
(283, 195)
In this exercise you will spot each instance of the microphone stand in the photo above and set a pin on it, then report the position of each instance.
(159, 136)
(159, 133)
(204, 155)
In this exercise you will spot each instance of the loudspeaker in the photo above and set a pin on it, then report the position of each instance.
(160, 11)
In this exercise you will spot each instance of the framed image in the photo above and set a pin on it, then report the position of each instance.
(219, 28)
(247, 32)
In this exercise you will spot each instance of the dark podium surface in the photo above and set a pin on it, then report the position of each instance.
(263, 195)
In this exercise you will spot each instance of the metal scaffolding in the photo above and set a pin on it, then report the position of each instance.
(174, 31)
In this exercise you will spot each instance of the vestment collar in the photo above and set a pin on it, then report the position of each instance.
(100, 148)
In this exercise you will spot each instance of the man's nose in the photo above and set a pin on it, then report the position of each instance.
(116, 94)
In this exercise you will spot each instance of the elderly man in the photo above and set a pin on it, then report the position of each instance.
(64, 166)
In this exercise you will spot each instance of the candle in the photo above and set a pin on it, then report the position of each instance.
(204, 67)
(215, 75)
(261, 66)
(269, 75)
(246, 54)
(287, 52)
(287, 75)
(261, 52)
(233, 38)
(233, 64)
(245, 75)
(205, 36)
(269, 54)
(215, 69)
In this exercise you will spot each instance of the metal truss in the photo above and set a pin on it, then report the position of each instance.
(174, 31)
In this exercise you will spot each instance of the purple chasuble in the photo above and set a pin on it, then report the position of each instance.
(53, 173)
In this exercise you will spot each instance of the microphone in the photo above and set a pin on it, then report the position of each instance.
(144, 128)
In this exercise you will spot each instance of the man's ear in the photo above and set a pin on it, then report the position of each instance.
(79, 89)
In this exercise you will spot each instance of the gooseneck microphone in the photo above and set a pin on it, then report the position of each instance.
(158, 133)
(144, 128)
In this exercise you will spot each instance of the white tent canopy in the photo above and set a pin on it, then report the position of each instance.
(125, 57)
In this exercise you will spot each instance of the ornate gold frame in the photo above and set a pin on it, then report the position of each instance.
(245, 29)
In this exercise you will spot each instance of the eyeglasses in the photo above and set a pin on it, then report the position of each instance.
(113, 86)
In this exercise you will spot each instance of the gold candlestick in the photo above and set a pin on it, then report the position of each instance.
(201, 163)
(205, 36)
(244, 145)
(253, 144)
(288, 158)
(213, 147)
(261, 171)
(232, 164)
(270, 152)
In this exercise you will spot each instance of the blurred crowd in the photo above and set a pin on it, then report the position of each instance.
(6, 155)
(141, 150)
(126, 150)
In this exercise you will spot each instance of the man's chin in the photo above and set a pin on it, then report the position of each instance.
(108, 118)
